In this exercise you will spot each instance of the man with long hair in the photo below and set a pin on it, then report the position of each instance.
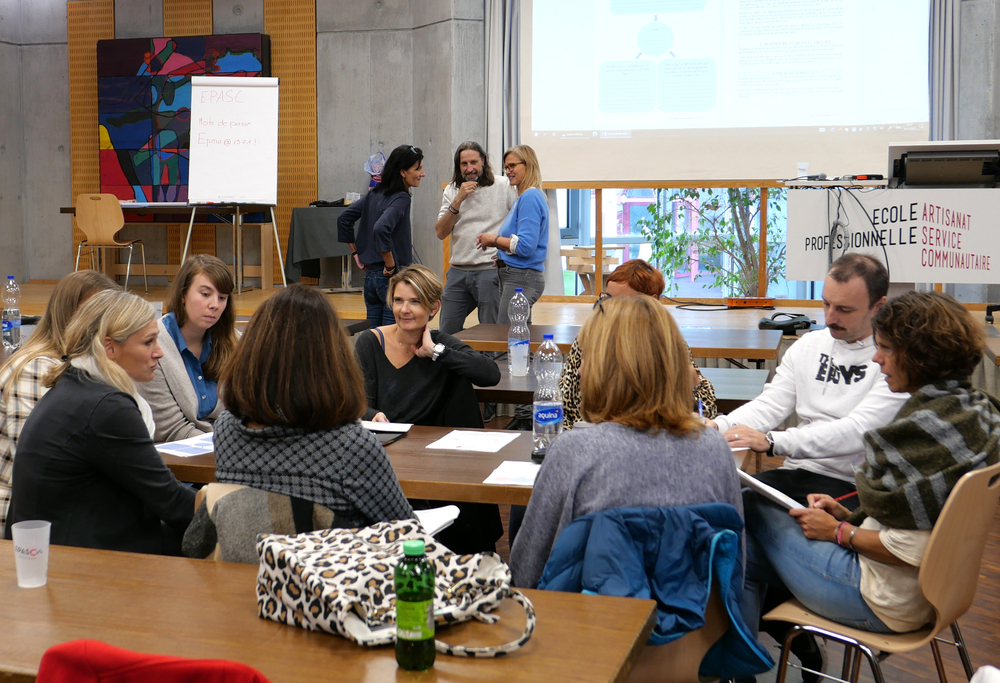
(474, 202)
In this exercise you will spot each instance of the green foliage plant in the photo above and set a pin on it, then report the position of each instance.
(725, 237)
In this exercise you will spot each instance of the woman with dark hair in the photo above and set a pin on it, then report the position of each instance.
(632, 278)
(860, 569)
(22, 375)
(383, 243)
(198, 336)
(86, 460)
(294, 396)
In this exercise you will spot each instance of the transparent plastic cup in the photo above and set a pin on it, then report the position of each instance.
(31, 552)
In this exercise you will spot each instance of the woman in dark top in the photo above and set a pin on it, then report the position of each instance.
(293, 399)
(416, 374)
(383, 244)
(422, 376)
(85, 459)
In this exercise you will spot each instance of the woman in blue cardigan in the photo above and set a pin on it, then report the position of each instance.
(522, 242)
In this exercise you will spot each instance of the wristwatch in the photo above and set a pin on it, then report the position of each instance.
(770, 443)
(438, 350)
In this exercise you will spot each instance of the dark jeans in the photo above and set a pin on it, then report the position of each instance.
(797, 484)
(532, 281)
(376, 289)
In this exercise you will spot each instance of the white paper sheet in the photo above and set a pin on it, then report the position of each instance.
(187, 448)
(483, 442)
(514, 473)
(395, 427)
(768, 492)
(437, 519)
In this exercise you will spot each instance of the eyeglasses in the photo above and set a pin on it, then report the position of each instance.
(600, 301)
(510, 167)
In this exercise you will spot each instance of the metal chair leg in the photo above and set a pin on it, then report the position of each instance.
(142, 250)
(78, 250)
(856, 668)
(938, 662)
(963, 652)
(128, 266)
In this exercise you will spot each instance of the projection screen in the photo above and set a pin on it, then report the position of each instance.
(720, 89)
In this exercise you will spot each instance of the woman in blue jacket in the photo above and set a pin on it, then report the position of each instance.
(384, 243)
(522, 242)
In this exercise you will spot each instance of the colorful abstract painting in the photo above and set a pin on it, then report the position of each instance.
(144, 106)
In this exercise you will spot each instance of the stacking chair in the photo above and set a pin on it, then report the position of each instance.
(948, 575)
(100, 217)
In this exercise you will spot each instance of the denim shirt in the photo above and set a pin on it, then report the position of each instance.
(205, 389)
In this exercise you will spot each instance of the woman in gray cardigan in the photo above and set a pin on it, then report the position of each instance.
(198, 335)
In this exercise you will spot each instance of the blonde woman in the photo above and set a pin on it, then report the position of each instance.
(645, 446)
(85, 459)
(523, 239)
(21, 377)
(423, 376)
(416, 374)
(198, 337)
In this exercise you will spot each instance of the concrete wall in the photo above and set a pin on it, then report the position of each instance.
(392, 72)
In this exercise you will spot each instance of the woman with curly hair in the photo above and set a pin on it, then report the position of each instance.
(860, 569)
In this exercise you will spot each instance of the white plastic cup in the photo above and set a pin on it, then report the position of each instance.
(31, 552)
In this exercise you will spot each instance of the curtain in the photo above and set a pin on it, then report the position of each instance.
(945, 43)
(502, 64)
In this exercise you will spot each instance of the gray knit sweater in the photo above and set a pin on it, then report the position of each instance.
(608, 465)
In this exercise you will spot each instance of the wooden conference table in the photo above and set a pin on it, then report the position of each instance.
(208, 610)
(422, 472)
(704, 342)
(733, 387)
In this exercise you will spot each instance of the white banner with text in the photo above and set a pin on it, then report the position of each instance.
(934, 235)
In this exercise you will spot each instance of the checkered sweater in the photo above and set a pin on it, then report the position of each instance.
(344, 469)
(14, 410)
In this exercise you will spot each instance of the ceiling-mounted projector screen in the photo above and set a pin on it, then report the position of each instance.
(720, 89)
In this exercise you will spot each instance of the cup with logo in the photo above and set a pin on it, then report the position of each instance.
(31, 552)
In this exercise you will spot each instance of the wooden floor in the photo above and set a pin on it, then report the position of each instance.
(981, 625)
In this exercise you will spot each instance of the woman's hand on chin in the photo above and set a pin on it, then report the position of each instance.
(426, 348)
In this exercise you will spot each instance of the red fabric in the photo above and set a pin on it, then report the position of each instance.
(80, 661)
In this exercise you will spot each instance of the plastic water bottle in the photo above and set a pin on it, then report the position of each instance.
(518, 338)
(414, 582)
(547, 420)
(11, 315)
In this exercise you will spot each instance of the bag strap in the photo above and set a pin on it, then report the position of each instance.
(496, 650)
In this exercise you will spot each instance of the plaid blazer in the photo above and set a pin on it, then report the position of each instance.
(15, 406)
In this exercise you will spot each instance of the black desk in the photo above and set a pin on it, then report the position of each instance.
(311, 237)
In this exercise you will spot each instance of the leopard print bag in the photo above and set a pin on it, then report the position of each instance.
(341, 581)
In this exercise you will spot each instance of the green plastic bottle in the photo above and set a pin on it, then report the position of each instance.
(414, 580)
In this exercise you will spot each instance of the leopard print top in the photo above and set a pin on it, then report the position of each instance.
(569, 383)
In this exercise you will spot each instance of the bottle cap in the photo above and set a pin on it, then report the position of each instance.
(548, 336)
(516, 289)
(413, 548)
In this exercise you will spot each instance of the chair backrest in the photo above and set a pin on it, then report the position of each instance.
(100, 218)
(950, 568)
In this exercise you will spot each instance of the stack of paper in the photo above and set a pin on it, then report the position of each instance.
(514, 473)
(768, 492)
(484, 442)
(437, 519)
(187, 448)
(398, 427)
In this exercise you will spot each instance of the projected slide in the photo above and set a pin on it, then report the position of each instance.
(612, 68)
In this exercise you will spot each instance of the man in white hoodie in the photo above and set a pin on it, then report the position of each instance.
(828, 379)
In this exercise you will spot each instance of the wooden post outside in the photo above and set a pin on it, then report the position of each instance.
(598, 242)
(762, 257)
